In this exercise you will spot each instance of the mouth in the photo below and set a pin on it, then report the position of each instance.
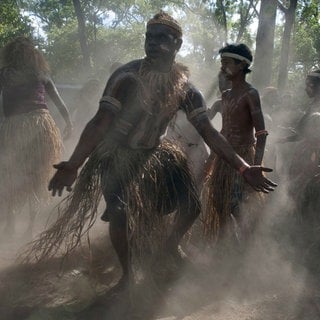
(153, 50)
(164, 48)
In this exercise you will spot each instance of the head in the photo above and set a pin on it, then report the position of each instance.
(21, 54)
(313, 84)
(163, 37)
(235, 57)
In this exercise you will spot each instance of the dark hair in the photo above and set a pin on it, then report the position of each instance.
(242, 50)
(21, 54)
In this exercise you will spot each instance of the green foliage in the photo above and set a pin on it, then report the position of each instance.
(63, 52)
(12, 22)
(306, 40)
(52, 13)
(115, 32)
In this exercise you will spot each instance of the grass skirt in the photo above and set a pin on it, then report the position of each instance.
(151, 182)
(30, 144)
(226, 194)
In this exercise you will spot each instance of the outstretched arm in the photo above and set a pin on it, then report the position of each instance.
(91, 136)
(196, 112)
(116, 94)
(59, 103)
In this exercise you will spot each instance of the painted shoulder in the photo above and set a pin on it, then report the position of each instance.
(130, 67)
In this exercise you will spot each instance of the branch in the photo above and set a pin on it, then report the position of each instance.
(254, 7)
(282, 7)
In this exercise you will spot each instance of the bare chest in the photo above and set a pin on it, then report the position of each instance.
(235, 112)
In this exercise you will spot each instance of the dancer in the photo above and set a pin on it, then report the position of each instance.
(30, 141)
(225, 191)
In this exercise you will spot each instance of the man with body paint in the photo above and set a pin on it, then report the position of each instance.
(243, 127)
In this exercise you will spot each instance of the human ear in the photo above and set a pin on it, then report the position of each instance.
(243, 65)
(178, 43)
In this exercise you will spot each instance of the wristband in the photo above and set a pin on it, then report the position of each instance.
(261, 132)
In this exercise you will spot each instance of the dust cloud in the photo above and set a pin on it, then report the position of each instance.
(265, 280)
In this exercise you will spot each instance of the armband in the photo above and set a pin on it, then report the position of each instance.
(261, 132)
(111, 104)
(197, 113)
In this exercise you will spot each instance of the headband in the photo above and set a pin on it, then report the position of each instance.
(235, 56)
(314, 74)
(170, 23)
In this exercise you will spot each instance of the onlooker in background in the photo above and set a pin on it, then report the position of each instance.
(224, 84)
(182, 132)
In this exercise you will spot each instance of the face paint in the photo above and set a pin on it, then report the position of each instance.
(164, 47)
(228, 71)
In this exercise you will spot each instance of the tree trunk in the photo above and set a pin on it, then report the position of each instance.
(223, 25)
(264, 44)
(285, 49)
(82, 34)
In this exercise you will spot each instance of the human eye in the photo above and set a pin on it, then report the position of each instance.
(164, 37)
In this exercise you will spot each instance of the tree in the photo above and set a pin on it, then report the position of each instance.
(98, 33)
(12, 22)
(289, 13)
(264, 44)
(306, 38)
(82, 33)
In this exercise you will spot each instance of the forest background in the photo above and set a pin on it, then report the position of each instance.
(81, 39)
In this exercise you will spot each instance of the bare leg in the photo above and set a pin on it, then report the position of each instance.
(185, 217)
(119, 240)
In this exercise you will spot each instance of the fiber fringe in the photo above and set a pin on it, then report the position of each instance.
(223, 190)
(30, 144)
(146, 178)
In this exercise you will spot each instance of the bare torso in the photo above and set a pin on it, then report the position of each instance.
(237, 122)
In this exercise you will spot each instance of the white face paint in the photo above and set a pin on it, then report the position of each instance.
(164, 47)
(228, 71)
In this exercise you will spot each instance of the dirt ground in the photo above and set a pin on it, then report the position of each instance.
(260, 283)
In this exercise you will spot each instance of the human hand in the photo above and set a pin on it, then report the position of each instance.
(67, 132)
(254, 176)
(64, 177)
